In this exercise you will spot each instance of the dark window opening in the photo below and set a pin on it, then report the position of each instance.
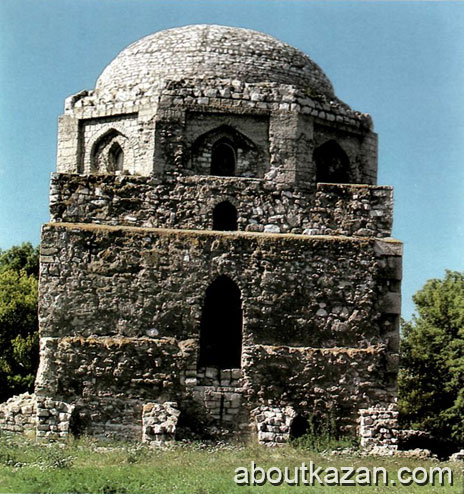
(299, 427)
(221, 326)
(225, 217)
(332, 163)
(116, 157)
(223, 159)
(77, 424)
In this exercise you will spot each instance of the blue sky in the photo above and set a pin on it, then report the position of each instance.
(402, 62)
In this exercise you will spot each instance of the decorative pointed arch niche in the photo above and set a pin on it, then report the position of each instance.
(226, 152)
(109, 152)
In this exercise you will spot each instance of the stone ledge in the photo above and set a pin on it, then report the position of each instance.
(221, 234)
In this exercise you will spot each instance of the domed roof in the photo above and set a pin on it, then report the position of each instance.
(208, 52)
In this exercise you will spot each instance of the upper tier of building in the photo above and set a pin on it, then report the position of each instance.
(216, 101)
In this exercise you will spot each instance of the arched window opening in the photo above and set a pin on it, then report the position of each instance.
(223, 159)
(225, 217)
(299, 427)
(221, 326)
(332, 163)
(116, 158)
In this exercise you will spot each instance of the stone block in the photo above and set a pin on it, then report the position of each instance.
(390, 303)
(388, 248)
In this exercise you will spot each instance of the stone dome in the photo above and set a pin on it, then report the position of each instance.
(208, 52)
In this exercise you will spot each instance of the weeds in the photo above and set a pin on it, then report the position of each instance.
(322, 435)
(88, 466)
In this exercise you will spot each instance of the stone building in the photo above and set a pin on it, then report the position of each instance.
(219, 255)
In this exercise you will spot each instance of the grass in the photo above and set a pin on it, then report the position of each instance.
(88, 466)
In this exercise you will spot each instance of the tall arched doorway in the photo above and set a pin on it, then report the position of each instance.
(221, 326)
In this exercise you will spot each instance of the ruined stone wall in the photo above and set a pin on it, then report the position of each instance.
(379, 427)
(129, 254)
(188, 202)
(120, 313)
(19, 414)
(53, 418)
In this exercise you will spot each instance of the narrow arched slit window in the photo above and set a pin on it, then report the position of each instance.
(116, 157)
(332, 163)
(223, 159)
(225, 217)
(221, 326)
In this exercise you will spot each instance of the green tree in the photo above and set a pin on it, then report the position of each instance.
(431, 380)
(19, 268)
(21, 257)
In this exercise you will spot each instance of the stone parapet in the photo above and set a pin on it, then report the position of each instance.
(345, 209)
(188, 203)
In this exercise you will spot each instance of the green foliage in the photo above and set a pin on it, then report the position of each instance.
(81, 466)
(18, 319)
(323, 435)
(17, 452)
(21, 257)
(431, 380)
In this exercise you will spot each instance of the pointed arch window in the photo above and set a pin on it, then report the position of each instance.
(225, 217)
(221, 326)
(116, 158)
(223, 158)
(332, 163)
